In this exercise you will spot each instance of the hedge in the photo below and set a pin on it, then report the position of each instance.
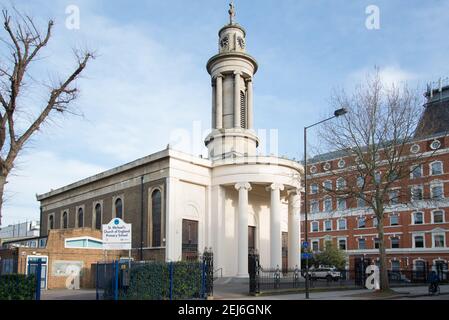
(151, 281)
(17, 287)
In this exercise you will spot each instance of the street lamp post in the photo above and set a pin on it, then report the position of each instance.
(337, 113)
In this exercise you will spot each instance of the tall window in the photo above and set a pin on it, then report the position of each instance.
(242, 110)
(80, 218)
(64, 220)
(361, 223)
(438, 241)
(362, 243)
(341, 204)
(156, 218)
(376, 243)
(119, 208)
(395, 265)
(327, 205)
(418, 241)
(315, 226)
(418, 218)
(313, 188)
(360, 182)
(436, 168)
(342, 224)
(327, 185)
(315, 246)
(438, 216)
(51, 222)
(416, 193)
(328, 225)
(341, 183)
(394, 197)
(98, 216)
(437, 192)
(342, 244)
(394, 220)
(416, 172)
(395, 243)
(314, 206)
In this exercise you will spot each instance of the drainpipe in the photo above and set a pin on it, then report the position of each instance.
(141, 218)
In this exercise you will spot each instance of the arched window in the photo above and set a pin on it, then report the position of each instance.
(51, 222)
(64, 220)
(119, 208)
(436, 168)
(156, 218)
(80, 218)
(242, 110)
(98, 216)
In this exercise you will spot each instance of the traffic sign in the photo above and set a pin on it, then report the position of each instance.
(306, 255)
(305, 244)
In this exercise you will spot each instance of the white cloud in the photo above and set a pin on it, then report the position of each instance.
(389, 75)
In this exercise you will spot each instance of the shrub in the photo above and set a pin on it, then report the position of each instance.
(17, 287)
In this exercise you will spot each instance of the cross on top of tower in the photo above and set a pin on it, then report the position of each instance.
(231, 12)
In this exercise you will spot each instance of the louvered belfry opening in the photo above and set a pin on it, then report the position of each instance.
(242, 110)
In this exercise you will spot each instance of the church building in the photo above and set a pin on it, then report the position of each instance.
(234, 201)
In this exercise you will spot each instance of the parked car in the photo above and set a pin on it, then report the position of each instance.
(325, 273)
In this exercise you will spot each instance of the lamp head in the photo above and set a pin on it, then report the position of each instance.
(340, 112)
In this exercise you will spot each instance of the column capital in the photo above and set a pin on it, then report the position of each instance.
(294, 192)
(250, 79)
(238, 73)
(275, 186)
(243, 185)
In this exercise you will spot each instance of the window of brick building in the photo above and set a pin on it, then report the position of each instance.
(436, 192)
(328, 225)
(342, 244)
(395, 243)
(65, 223)
(314, 206)
(98, 217)
(341, 203)
(436, 168)
(327, 185)
(341, 184)
(416, 193)
(361, 203)
(394, 197)
(51, 222)
(119, 208)
(315, 246)
(394, 220)
(438, 216)
(362, 244)
(395, 265)
(418, 218)
(439, 240)
(360, 182)
(327, 205)
(80, 218)
(342, 224)
(314, 188)
(376, 243)
(315, 226)
(361, 222)
(418, 241)
(416, 172)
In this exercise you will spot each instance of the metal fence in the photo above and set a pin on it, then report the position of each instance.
(150, 280)
(269, 280)
(22, 279)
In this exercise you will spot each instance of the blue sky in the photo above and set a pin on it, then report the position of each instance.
(149, 85)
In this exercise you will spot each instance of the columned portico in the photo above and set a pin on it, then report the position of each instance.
(242, 243)
(294, 214)
(275, 225)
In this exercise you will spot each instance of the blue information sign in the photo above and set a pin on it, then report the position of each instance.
(305, 244)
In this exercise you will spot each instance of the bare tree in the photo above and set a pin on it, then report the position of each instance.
(24, 43)
(374, 138)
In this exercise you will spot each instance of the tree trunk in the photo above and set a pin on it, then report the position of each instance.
(2, 188)
(384, 283)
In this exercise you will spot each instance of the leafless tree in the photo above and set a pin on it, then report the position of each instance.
(23, 43)
(374, 138)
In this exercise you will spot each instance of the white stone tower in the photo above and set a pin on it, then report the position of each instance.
(232, 71)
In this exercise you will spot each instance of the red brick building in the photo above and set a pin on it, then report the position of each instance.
(417, 218)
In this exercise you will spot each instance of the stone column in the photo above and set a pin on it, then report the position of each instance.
(242, 228)
(219, 102)
(237, 123)
(294, 220)
(275, 225)
(250, 104)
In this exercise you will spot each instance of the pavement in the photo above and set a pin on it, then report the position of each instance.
(238, 290)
